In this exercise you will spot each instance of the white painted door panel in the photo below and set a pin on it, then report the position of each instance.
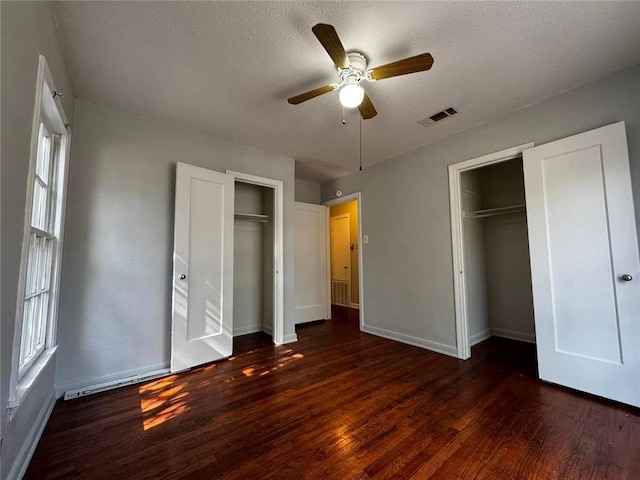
(582, 236)
(202, 328)
(311, 287)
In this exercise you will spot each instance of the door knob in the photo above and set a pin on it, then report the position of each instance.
(182, 277)
(626, 277)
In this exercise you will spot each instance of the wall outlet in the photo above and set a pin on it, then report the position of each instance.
(365, 239)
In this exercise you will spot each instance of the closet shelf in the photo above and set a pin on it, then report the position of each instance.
(252, 217)
(491, 212)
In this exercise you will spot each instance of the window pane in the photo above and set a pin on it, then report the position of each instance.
(44, 154)
(32, 266)
(34, 329)
(40, 332)
(39, 212)
(47, 271)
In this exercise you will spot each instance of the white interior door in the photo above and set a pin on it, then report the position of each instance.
(311, 285)
(340, 260)
(202, 328)
(584, 263)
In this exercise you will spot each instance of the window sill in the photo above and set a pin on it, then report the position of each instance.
(25, 384)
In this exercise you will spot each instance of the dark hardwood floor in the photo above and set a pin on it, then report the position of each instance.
(341, 404)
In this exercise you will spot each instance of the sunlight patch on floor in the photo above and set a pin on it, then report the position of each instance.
(162, 400)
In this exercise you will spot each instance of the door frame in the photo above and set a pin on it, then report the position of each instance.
(278, 250)
(348, 217)
(463, 347)
(332, 203)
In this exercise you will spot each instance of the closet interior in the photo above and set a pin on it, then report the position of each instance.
(253, 259)
(496, 253)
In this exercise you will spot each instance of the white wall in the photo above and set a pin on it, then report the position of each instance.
(510, 298)
(506, 248)
(474, 259)
(407, 264)
(116, 279)
(248, 260)
(307, 192)
(27, 30)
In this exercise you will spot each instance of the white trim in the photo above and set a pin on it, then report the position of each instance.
(63, 177)
(292, 337)
(410, 340)
(512, 335)
(457, 238)
(246, 330)
(278, 228)
(109, 382)
(337, 201)
(266, 329)
(21, 462)
(476, 338)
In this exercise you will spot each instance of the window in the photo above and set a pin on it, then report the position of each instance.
(42, 244)
(42, 240)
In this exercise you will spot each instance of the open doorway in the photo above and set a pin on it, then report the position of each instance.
(344, 247)
(345, 256)
(491, 251)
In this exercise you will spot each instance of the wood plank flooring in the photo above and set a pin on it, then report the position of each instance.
(341, 404)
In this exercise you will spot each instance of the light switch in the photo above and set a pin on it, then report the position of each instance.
(365, 239)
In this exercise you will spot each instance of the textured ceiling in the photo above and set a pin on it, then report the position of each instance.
(227, 68)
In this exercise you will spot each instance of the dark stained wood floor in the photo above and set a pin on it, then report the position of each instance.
(341, 404)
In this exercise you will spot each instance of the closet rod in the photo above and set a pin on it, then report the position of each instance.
(252, 217)
(490, 212)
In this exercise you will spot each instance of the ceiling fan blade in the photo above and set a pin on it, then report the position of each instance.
(303, 97)
(419, 63)
(367, 110)
(328, 37)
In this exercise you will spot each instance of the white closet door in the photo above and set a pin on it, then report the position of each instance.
(202, 329)
(584, 263)
(311, 289)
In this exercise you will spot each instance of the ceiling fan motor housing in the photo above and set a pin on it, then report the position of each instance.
(356, 71)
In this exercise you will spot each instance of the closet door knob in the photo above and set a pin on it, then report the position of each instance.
(626, 277)
(182, 277)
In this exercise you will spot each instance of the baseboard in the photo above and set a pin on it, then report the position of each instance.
(510, 334)
(25, 453)
(267, 329)
(121, 379)
(292, 337)
(415, 341)
(479, 337)
(246, 330)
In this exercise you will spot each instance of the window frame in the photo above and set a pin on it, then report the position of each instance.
(50, 113)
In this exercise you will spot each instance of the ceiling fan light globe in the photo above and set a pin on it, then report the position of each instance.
(351, 95)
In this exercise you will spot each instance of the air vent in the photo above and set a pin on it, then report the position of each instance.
(436, 117)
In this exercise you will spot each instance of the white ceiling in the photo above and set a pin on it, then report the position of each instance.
(227, 68)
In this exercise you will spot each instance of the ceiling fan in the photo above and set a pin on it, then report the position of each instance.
(352, 69)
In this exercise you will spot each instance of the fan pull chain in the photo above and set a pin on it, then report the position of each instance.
(360, 143)
(344, 118)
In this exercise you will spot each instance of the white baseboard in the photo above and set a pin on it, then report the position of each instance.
(415, 341)
(292, 337)
(267, 329)
(246, 330)
(108, 382)
(510, 334)
(479, 337)
(25, 453)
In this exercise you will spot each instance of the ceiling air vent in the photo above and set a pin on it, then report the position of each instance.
(436, 117)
